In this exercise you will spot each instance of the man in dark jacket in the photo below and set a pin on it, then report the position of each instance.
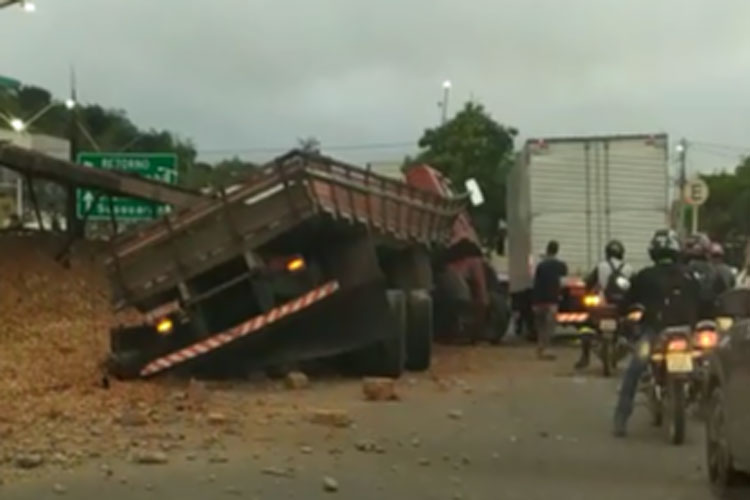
(547, 282)
(670, 296)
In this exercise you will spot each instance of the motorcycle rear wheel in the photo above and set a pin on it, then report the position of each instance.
(675, 411)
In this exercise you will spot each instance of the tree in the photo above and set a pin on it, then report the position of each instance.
(473, 145)
(726, 214)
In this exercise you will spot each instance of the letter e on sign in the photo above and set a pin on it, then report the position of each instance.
(696, 192)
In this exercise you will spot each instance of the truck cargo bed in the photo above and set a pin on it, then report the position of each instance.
(281, 196)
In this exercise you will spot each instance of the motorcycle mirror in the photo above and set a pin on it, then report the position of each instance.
(475, 192)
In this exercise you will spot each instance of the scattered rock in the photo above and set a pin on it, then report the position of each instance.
(544, 434)
(424, 461)
(455, 480)
(496, 456)
(217, 418)
(458, 496)
(232, 490)
(379, 389)
(330, 484)
(149, 457)
(455, 414)
(296, 381)
(59, 489)
(465, 460)
(149, 487)
(59, 459)
(416, 442)
(218, 459)
(366, 445)
(211, 478)
(132, 417)
(278, 471)
(190, 457)
(513, 439)
(331, 418)
(306, 450)
(29, 460)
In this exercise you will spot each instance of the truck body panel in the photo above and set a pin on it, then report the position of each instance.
(584, 192)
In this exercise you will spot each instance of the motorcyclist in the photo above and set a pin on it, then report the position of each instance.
(670, 296)
(611, 278)
(728, 280)
(696, 255)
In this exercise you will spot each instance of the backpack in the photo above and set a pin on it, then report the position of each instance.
(613, 292)
(678, 307)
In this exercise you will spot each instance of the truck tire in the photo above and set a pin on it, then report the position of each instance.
(419, 332)
(386, 357)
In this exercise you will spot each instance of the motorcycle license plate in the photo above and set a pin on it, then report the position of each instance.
(608, 325)
(679, 362)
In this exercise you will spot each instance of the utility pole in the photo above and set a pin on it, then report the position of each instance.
(682, 182)
(74, 226)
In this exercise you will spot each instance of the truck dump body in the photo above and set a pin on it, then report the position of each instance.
(305, 235)
(282, 195)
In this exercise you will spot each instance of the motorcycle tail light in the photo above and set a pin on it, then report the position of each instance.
(706, 339)
(592, 300)
(677, 345)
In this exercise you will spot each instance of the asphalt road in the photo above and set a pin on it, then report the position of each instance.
(513, 428)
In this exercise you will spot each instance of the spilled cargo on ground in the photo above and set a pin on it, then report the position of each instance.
(309, 258)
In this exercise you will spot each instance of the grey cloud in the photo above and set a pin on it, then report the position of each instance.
(246, 74)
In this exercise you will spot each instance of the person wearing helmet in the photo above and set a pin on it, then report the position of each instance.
(611, 278)
(670, 297)
(724, 272)
(696, 256)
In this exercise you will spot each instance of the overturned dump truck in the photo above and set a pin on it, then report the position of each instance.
(308, 258)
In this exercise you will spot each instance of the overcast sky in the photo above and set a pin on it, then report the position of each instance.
(243, 75)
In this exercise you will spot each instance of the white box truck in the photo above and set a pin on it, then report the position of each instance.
(582, 192)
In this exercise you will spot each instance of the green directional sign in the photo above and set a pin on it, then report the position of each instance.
(158, 166)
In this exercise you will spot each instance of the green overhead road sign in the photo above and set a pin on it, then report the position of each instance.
(158, 166)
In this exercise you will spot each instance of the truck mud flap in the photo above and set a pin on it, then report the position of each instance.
(323, 322)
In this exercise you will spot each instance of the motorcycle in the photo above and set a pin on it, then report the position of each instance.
(677, 370)
(603, 326)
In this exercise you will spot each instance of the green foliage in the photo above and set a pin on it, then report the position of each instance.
(726, 214)
(106, 130)
(473, 144)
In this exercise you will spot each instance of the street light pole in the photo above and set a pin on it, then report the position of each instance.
(682, 182)
(444, 103)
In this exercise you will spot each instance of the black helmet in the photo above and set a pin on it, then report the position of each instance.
(697, 246)
(665, 245)
(614, 250)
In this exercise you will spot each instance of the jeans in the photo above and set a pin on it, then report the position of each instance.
(632, 377)
(546, 322)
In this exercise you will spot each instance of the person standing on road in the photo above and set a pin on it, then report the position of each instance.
(611, 278)
(547, 282)
(670, 295)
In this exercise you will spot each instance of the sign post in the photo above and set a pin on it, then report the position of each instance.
(158, 166)
(695, 195)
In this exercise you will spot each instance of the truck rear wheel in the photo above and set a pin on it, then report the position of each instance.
(419, 331)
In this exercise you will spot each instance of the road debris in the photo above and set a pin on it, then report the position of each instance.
(278, 471)
(296, 381)
(59, 489)
(379, 389)
(424, 461)
(217, 418)
(149, 457)
(306, 450)
(331, 418)
(330, 484)
(29, 460)
(456, 414)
